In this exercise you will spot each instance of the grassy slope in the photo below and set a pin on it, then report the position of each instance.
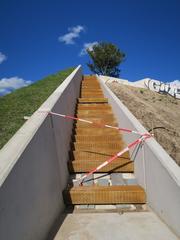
(25, 101)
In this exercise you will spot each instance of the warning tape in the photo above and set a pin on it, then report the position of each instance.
(138, 141)
(143, 137)
(94, 123)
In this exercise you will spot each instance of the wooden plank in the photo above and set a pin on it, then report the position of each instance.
(91, 95)
(95, 155)
(89, 138)
(96, 115)
(91, 90)
(94, 106)
(95, 131)
(93, 100)
(106, 148)
(94, 111)
(133, 194)
(110, 145)
(118, 165)
(96, 124)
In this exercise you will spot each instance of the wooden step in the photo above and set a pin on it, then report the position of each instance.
(90, 87)
(101, 142)
(90, 84)
(93, 100)
(93, 85)
(92, 95)
(89, 138)
(94, 106)
(108, 121)
(113, 145)
(95, 115)
(90, 81)
(95, 131)
(99, 114)
(96, 123)
(94, 111)
(118, 165)
(99, 156)
(90, 78)
(91, 90)
(99, 149)
(103, 118)
(127, 194)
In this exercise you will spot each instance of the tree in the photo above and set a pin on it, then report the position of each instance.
(106, 58)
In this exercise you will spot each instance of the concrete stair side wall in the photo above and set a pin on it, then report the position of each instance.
(33, 169)
(155, 170)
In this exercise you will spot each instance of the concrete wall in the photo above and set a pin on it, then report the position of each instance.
(33, 169)
(155, 170)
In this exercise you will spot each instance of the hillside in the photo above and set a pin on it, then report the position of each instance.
(25, 101)
(154, 110)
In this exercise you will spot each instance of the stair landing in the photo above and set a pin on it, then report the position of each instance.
(116, 226)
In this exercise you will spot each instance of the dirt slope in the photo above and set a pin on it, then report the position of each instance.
(154, 110)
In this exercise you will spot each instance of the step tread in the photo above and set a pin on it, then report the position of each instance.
(113, 144)
(106, 138)
(118, 165)
(96, 131)
(92, 106)
(105, 149)
(104, 194)
(90, 155)
(91, 90)
(96, 115)
(99, 100)
(95, 111)
(98, 124)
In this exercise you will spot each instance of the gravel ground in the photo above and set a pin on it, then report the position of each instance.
(154, 110)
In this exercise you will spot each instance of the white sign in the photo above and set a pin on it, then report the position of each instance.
(164, 88)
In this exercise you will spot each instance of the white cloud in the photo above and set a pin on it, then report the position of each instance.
(2, 57)
(4, 92)
(7, 85)
(74, 32)
(87, 46)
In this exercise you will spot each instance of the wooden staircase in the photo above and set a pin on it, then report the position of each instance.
(92, 145)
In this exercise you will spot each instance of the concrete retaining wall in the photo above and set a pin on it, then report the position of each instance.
(33, 169)
(155, 170)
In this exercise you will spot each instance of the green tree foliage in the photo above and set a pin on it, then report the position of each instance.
(106, 58)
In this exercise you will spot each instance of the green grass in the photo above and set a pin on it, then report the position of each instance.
(25, 101)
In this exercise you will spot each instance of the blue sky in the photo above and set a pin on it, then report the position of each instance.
(148, 31)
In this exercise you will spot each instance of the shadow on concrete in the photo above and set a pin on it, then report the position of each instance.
(58, 222)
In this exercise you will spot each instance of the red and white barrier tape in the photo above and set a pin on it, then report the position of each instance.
(141, 139)
(94, 123)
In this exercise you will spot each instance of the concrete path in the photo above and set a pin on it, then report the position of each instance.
(114, 226)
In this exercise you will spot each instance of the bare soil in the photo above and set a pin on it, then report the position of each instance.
(154, 110)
